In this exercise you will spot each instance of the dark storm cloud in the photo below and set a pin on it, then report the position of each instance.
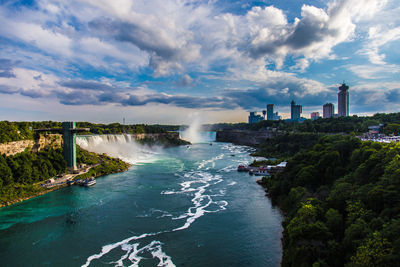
(309, 31)
(393, 95)
(38, 78)
(4, 89)
(179, 101)
(278, 91)
(33, 93)
(281, 92)
(265, 48)
(88, 85)
(6, 68)
(82, 97)
(77, 98)
(145, 38)
(185, 80)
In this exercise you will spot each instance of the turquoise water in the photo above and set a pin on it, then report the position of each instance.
(185, 206)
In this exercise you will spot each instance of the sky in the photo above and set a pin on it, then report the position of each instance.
(170, 61)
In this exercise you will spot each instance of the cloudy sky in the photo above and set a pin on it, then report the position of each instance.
(166, 61)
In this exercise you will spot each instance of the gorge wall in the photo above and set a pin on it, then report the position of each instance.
(244, 137)
(12, 148)
(55, 141)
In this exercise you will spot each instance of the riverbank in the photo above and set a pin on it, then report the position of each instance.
(340, 205)
(107, 166)
(39, 190)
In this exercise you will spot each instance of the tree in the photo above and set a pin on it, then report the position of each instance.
(375, 251)
(334, 221)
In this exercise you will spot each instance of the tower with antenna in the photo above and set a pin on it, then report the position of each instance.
(343, 100)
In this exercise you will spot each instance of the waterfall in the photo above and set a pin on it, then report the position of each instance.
(122, 146)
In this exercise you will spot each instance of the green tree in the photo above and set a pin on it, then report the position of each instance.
(375, 251)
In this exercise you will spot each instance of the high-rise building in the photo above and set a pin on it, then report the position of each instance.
(315, 115)
(277, 117)
(270, 112)
(343, 101)
(254, 118)
(295, 111)
(328, 110)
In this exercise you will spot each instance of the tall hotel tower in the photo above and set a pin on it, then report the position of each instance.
(343, 101)
(328, 110)
(270, 112)
(295, 111)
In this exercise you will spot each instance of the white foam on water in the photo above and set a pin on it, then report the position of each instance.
(236, 149)
(201, 181)
(211, 161)
(229, 168)
(156, 252)
(132, 254)
(122, 146)
(107, 248)
(197, 184)
(232, 183)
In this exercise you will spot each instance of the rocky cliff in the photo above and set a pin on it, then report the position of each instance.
(244, 137)
(12, 148)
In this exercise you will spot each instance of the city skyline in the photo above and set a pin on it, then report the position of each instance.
(171, 61)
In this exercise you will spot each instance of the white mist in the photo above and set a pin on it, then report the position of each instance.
(119, 146)
(192, 133)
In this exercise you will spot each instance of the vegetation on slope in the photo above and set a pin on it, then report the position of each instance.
(11, 131)
(286, 145)
(21, 174)
(341, 199)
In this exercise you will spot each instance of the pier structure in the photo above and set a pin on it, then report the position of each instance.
(68, 132)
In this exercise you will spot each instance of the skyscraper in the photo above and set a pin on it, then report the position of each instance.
(328, 110)
(254, 118)
(315, 115)
(270, 112)
(295, 110)
(343, 101)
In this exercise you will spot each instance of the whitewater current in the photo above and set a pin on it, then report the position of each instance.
(196, 184)
(185, 205)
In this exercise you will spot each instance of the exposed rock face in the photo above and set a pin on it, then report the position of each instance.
(12, 148)
(55, 141)
(15, 147)
(244, 137)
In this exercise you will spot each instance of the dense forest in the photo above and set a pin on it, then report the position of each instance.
(286, 145)
(22, 173)
(341, 199)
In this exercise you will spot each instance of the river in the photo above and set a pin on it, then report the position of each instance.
(180, 206)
